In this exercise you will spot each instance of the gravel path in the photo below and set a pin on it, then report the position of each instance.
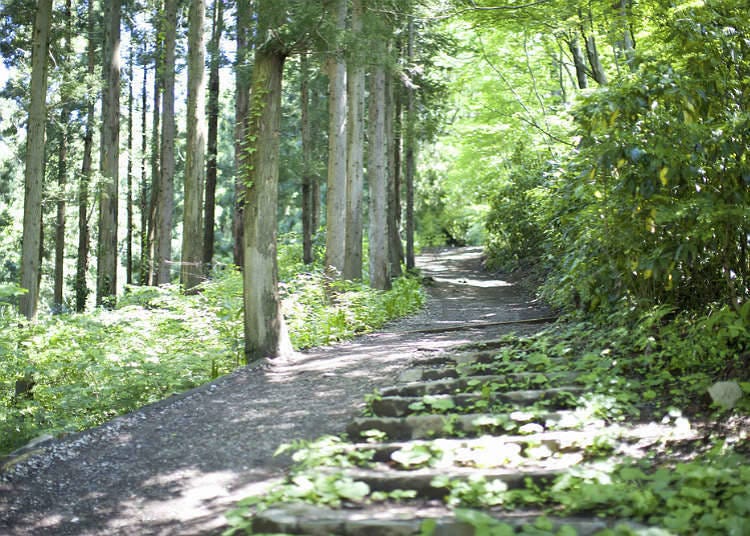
(174, 467)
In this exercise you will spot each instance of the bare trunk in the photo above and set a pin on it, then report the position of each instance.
(106, 271)
(155, 194)
(163, 250)
(213, 134)
(336, 195)
(265, 332)
(82, 263)
(144, 204)
(377, 174)
(129, 180)
(62, 172)
(34, 173)
(393, 141)
(355, 156)
(191, 273)
(243, 71)
(410, 164)
(308, 218)
(62, 156)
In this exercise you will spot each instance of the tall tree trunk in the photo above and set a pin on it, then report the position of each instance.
(336, 195)
(163, 256)
(377, 175)
(355, 155)
(82, 262)
(191, 273)
(213, 133)
(393, 141)
(410, 150)
(308, 218)
(62, 170)
(155, 195)
(129, 180)
(265, 331)
(34, 173)
(242, 71)
(106, 272)
(144, 204)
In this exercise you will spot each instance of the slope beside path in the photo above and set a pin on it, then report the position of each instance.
(176, 466)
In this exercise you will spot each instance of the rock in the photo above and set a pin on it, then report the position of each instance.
(725, 394)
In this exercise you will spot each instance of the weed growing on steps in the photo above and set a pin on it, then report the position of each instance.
(88, 368)
(655, 367)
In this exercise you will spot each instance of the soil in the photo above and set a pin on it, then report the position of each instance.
(177, 466)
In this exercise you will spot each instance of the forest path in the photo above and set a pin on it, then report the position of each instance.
(176, 466)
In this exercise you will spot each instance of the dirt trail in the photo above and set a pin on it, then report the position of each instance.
(174, 467)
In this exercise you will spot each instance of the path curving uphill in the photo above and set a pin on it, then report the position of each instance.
(176, 466)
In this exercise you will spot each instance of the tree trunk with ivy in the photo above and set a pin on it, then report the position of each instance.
(265, 331)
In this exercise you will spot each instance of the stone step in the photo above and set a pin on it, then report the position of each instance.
(407, 519)
(634, 441)
(471, 383)
(399, 406)
(471, 424)
(426, 481)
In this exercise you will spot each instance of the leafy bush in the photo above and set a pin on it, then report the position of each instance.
(653, 206)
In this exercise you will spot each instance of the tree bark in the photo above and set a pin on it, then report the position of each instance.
(265, 331)
(34, 172)
(165, 204)
(143, 271)
(155, 194)
(308, 204)
(82, 262)
(393, 142)
(129, 180)
(191, 273)
(242, 70)
(106, 272)
(213, 133)
(62, 170)
(410, 152)
(336, 195)
(377, 174)
(355, 155)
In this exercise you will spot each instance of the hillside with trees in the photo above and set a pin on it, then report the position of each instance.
(190, 187)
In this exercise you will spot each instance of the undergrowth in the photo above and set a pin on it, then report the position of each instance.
(80, 370)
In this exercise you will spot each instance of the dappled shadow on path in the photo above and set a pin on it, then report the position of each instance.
(176, 466)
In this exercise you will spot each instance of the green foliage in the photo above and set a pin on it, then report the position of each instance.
(710, 495)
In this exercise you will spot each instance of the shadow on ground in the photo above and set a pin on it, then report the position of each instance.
(176, 466)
